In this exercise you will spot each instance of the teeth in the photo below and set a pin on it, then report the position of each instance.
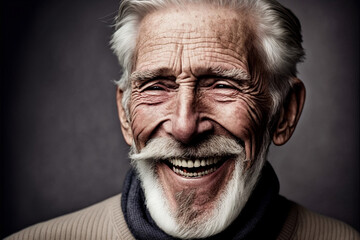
(197, 163)
(193, 174)
(184, 163)
(190, 164)
(193, 164)
(178, 163)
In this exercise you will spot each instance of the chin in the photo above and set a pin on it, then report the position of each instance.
(184, 213)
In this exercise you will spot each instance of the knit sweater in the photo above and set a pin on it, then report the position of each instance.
(105, 220)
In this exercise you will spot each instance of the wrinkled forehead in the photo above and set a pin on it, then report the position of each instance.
(228, 27)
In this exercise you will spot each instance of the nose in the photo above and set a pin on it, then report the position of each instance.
(187, 124)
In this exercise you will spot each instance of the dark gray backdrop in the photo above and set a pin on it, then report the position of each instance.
(61, 146)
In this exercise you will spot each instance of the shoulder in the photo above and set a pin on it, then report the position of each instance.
(302, 223)
(103, 220)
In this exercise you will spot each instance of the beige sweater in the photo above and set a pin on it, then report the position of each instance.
(106, 221)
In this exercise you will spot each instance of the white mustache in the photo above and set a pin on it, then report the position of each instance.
(164, 148)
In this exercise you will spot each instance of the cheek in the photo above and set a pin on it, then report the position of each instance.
(235, 112)
(146, 116)
(241, 117)
(234, 118)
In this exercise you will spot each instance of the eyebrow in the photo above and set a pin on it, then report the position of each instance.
(150, 74)
(236, 74)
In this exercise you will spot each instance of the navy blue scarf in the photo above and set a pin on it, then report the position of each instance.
(261, 218)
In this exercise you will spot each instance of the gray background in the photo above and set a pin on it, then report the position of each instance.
(61, 146)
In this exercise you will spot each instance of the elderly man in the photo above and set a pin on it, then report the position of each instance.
(207, 85)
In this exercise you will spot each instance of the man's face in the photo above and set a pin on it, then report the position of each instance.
(194, 77)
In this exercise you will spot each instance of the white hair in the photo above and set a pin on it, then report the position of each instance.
(277, 40)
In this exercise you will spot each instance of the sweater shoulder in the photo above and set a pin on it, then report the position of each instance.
(302, 224)
(103, 220)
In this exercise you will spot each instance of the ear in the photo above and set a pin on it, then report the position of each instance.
(290, 113)
(125, 125)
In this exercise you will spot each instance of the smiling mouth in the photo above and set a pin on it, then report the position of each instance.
(189, 168)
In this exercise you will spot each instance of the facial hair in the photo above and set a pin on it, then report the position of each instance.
(186, 222)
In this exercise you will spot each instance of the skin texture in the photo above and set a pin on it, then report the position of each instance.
(184, 87)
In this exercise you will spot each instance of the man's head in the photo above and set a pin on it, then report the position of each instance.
(206, 86)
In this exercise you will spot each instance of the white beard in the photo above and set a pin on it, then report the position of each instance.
(227, 207)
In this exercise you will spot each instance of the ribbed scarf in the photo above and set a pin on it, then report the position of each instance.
(261, 218)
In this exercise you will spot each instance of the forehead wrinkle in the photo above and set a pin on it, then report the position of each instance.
(233, 40)
(209, 46)
(214, 40)
(223, 23)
